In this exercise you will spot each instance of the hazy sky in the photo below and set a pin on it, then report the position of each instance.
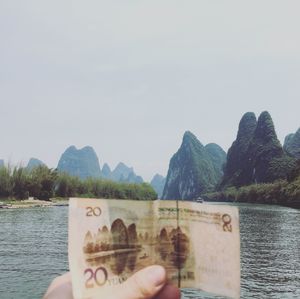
(129, 77)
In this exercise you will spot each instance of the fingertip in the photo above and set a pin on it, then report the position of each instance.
(145, 283)
(156, 275)
(61, 287)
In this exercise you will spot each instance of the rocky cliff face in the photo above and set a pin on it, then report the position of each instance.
(256, 156)
(218, 158)
(33, 162)
(292, 144)
(191, 171)
(158, 184)
(236, 170)
(82, 163)
(264, 150)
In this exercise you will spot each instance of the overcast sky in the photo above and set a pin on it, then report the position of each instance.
(129, 77)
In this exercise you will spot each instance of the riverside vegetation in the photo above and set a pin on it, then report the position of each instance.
(45, 183)
(283, 192)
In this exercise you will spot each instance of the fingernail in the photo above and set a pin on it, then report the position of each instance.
(156, 275)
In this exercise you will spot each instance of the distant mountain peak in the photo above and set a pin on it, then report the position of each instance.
(121, 165)
(158, 176)
(247, 126)
(288, 138)
(213, 146)
(33, 162)
(158, 184)
(82, 162)
(191, 170)
(189, 138)
(256, 156)
(123, 173)
(71, 148)
(265, 128)
(292, 144)
(217, 156)
(88, 148)
(188, 134)
(106, 171)
(237, 171)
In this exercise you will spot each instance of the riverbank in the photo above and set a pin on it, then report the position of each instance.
(282, 192)
(32, 203)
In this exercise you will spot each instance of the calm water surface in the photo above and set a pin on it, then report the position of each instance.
(33, 250)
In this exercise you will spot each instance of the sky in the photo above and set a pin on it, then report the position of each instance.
(130, 77)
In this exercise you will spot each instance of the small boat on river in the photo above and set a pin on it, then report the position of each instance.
(199, 199)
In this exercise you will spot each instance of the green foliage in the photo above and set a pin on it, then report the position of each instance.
(20, 182)
(295, 172)
(44, 183)
(68, 186)
(280, 168)
(279, 192)
(6, 184)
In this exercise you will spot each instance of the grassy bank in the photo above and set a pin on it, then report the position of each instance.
(44, 183)
(281, 192)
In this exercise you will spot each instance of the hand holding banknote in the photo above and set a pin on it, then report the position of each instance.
(148, 283)
(111, 241)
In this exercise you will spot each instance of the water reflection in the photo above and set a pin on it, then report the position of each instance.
(118, 263)
(132, 259)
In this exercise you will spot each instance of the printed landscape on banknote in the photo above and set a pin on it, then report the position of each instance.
(109, 240)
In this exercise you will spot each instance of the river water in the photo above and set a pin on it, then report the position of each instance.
(33, 250)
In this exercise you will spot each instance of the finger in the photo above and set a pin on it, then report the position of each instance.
(169, 292)
(65, 278)
(61, 287)
(144, 284)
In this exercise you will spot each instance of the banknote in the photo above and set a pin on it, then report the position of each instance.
(197, 243)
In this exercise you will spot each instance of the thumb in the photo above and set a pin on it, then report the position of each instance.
(144, 284)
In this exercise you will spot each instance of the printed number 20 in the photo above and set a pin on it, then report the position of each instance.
(99, 277)
(93, 211)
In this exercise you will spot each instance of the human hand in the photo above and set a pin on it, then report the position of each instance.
(148, 283)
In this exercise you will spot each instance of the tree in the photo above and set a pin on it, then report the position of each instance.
(42, 182)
